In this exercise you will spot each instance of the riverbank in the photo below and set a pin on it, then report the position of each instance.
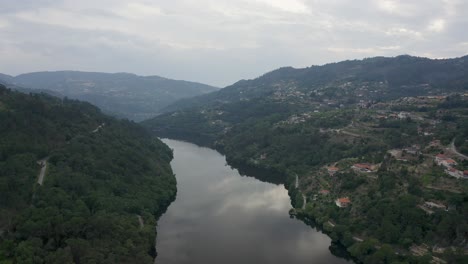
(221, 217)
(274, 176)
(381, 209)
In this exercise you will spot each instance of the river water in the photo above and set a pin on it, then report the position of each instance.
(220, 216)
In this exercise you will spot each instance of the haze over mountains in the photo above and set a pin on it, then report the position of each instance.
(120, 94)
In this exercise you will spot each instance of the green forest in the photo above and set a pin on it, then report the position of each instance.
(390, 219)
(106, 183)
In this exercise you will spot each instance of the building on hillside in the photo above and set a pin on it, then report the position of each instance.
(433, 205)
(332, 170)
(343, 202)
(363, 167)
(443, 160)
(439, 158)
(403, 115)
(413, 150)
(396, 153)
(454, 173)
(434, 143)
(364, 104)
(324, 192)
(448, 163)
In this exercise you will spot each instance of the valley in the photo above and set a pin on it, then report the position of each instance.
(234, 131)
(123, 95)
(373, 158)
(376, 168)
(221, 216)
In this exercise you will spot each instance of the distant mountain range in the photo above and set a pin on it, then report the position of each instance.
(346, 82)
(120, 94)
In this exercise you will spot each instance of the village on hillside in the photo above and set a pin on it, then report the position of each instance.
(435, 162)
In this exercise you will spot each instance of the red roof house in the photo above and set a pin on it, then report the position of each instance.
(343, 202)
(363, 167)
(332, 170)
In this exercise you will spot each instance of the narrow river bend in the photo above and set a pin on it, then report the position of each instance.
(222, 217)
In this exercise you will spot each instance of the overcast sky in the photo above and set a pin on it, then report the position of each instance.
(221, 41)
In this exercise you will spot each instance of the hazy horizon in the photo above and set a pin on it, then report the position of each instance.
(221, 42)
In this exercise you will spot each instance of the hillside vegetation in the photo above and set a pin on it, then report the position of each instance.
(374, 145)
(100, 176)
(346, 82)
(120, 94)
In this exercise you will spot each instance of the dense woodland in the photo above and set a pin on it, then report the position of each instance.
(293, 130)
(102, 174)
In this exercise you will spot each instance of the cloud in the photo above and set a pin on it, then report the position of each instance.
(293, 6)
(437, 25)
(388, 6)
(221, 41)
(403, 32)
(369, 51)
(352, 50)
(274, 199)
(3, 23)
(390, 48)
(139, 11)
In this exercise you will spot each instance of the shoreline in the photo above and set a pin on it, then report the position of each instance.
(247, 170)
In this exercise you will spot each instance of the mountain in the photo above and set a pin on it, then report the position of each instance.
(77, 186)
(5, 78)
(120, 94)
(6, 81)
(369, 149)
(289, 91)
(347, 82)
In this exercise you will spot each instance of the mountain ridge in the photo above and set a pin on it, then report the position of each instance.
(394, 72)
(121, 94)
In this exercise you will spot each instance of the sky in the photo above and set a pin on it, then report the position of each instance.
(219, 42)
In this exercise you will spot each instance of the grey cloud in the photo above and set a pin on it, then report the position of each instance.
(13, 6)
(220, 42)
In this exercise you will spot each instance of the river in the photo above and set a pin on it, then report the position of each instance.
(220, 216)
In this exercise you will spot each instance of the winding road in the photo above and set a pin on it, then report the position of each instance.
(304, 198)
(454, 150)
(140, 221)
(41, 177)
(98, 128)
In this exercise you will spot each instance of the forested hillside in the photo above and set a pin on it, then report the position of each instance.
(77, 186)
(374, 147)
(346, 83)
(120, 94)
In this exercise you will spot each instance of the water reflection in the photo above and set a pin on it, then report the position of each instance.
(220, 217)
(263, 175)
